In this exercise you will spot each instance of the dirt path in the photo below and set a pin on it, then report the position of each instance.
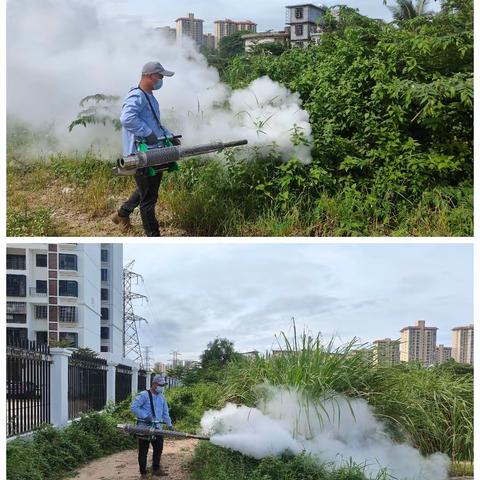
(124, 465)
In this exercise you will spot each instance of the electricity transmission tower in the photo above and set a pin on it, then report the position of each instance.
(175, 354)
(131, 343)
(146, 365)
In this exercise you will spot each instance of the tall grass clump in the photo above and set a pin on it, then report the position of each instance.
(432, 408)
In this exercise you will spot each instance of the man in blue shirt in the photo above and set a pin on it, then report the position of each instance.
(140, 119)
(151, 409)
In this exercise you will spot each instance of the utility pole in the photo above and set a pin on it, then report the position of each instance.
(131, 343)
(147, 358)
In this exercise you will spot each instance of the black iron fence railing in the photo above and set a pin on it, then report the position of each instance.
(142, 380)
(28, 385)
(123, 382)
(87, 384)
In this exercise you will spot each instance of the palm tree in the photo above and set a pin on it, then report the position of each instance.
(406, 9)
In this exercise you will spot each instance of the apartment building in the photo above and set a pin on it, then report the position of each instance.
(111, 297)
(58, 292)
(209, 40)
(305, 21)
(169, 33)
(223, 28)
(443, 354)
(386, 352)
(190, 27)
(418, 344)
(462, 344)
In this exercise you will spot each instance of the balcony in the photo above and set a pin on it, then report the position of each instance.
(17, 307)
(34, 292)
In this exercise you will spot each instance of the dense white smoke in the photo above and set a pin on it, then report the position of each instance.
(59, 51)
(336, 430)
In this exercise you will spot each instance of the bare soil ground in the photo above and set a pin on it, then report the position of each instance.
(124, 465)
(75, 213)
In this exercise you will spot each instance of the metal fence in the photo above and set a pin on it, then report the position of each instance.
(28, 385)
(123, 382)
(173, 382)
(142, 380)
(87, 384)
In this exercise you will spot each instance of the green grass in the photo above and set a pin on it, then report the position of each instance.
(215, 463)
(53, 453)
(215, 198)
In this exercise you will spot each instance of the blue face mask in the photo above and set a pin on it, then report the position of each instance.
(160, 390)
(158, 85)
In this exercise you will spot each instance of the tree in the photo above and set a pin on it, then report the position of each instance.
(231, 45)
(406, 9)
(218, 353)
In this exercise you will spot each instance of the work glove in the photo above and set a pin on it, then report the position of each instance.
(151, 139)
(176, 142)
(148, 419)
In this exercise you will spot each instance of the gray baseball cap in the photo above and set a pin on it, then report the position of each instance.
(156, 67)
(159, 380)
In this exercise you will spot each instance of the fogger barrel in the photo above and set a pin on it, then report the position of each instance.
(159, 157)
(154, 432)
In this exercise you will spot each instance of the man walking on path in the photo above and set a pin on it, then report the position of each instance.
(151, 409)
(141, 124)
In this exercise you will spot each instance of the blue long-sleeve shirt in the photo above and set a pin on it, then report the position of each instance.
(138, 120)
(141, 408)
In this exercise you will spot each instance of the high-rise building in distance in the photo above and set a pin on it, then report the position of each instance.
(462, 344)
(418, 343)
(190, 27)
(387, 352)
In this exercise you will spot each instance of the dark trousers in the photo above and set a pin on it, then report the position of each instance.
(145, 197)
(143, 446)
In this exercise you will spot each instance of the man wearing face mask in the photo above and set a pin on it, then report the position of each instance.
(140, 119)
(151, 409)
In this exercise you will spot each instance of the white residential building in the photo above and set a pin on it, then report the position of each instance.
(59, 292)
(462, 344)
(418, 344)
(305, 21)
(443, 354)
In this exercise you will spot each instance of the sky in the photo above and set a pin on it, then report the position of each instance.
(249, 293)
(268, 14)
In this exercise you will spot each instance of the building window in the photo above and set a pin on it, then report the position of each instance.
(16, 318)
(68, 288)
(16, 335)
(104, 348)
(67, 261)
(104, 313)
(41, 312)
(104, 275)
(299, 30)
(104, 255)
(104, 333)
(67, 314)
(41, 286)
(104, 294)
(42, 338)
(16, 262)
(71, 337)
(41, 260)
(299, 13)
(16, 285)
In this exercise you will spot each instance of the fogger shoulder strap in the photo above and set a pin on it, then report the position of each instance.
(151, 403)
(152, 109)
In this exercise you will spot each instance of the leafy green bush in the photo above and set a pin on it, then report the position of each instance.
(188, 404)
(52, 452)
(29, 222)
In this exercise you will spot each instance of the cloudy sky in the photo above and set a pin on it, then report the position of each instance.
(268, 14)
(249, 292)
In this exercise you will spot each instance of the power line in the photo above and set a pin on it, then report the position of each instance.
(131, 343)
